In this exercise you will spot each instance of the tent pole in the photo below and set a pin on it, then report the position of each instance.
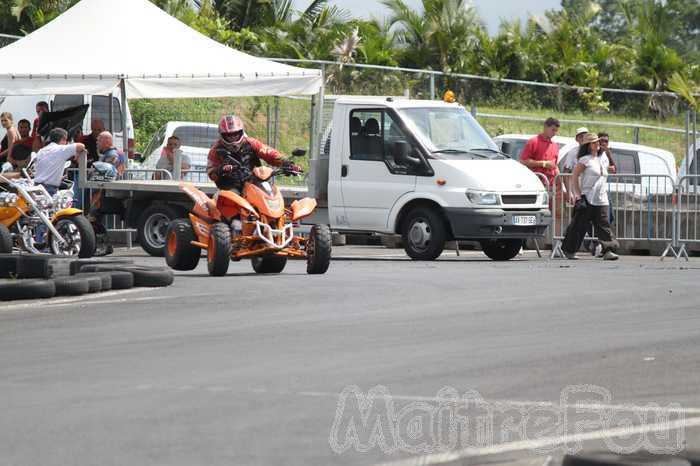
(125, 130)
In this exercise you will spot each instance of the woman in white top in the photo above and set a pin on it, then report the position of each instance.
(589, 185)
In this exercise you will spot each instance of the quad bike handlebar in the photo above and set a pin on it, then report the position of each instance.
(286, 169)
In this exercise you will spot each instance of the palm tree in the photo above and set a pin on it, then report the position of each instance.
(440, 37)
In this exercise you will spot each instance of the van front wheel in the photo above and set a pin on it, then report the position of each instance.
(424, 234)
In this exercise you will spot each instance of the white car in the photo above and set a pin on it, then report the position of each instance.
(195, 141)
(630, 159)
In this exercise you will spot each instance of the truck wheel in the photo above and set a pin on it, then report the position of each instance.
(5, 240)
(179, 252)
(424, 234)
(153, 228)
(502, 249)
(79, 236)
(268, 264)
(318, 250)
(219, 252)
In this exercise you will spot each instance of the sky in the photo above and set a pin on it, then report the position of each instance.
(490, 11)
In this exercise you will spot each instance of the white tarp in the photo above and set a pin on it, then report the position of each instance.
(96, 43)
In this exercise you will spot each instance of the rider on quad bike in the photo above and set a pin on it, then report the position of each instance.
(244, 149)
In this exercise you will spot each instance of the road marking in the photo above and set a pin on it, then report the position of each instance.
(67, 301)
(538, 404)
(97, 299)
(545, 442)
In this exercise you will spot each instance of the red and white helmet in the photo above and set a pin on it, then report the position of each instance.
(231, 131)
(230, 124)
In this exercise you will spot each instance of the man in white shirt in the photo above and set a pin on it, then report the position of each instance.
(50, 160)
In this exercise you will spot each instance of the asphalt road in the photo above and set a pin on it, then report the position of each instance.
(250, 369)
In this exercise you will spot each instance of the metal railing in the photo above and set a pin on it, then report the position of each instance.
(642, 208)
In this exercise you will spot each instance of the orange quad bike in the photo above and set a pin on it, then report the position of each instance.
(253, 225)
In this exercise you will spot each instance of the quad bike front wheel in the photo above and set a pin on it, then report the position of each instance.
(318, 250)
(179, 252)
(268, 264)
(78, 235)
(219, 251)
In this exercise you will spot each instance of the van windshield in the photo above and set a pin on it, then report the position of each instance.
(450, 133)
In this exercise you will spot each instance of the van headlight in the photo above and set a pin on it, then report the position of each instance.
(545, 198)
(482, 198)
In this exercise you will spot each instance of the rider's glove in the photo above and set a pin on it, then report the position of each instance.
(290, 167)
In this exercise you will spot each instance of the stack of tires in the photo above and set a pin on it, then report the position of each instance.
(35, 277)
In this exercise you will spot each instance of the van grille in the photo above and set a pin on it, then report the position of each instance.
(517, 199)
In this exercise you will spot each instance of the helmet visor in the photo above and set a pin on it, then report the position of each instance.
(233, 137)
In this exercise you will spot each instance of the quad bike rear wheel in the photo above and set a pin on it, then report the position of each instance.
(179, 252)
(318, 250)
(268, 264)
(219, 251)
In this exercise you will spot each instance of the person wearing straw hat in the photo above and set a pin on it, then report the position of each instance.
(589, 186)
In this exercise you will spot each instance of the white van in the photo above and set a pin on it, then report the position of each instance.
(24, 107)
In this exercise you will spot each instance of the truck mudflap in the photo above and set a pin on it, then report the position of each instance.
(472, 224)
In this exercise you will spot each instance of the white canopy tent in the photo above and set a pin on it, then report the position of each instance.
(99, 44)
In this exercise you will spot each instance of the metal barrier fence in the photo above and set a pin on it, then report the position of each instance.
(643, 209)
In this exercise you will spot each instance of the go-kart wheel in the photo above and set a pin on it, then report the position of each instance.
(219, 252)
(318, 250)
(268, 264)
(179, 252)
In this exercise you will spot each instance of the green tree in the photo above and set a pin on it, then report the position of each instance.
(440, 37)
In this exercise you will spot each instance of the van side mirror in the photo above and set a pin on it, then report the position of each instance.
(138, 157)
(298, 153)
(401, 151)
(507, 147)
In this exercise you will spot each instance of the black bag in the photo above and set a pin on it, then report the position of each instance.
(581, 204)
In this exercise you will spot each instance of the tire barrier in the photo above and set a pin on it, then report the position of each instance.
(92, 277)
(636, 459)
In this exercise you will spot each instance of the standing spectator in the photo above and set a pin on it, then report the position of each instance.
(570, 158)
(589, 187)
(607, 152)
(10, 138)
(167, 158)
(97, 127)
(41, 107)
(20, 155)
(540, 153)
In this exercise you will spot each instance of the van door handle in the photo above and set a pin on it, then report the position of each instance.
(344, 171)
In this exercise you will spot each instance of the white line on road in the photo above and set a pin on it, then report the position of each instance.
(66, 301)
(545, 442)
(97, 299)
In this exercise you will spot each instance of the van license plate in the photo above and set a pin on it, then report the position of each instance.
(524, 220)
